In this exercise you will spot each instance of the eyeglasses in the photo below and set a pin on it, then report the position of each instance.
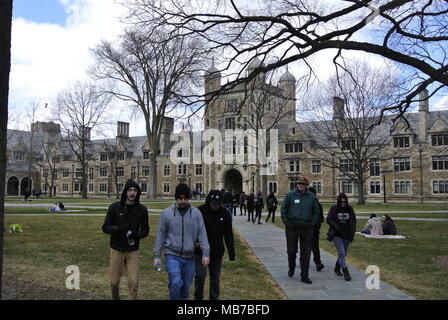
(302, 184)
(343, 201)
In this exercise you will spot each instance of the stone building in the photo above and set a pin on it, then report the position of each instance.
(412, 167)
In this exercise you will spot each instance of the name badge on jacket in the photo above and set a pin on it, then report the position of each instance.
(297, 201)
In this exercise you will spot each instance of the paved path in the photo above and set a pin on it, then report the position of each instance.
(269, 245)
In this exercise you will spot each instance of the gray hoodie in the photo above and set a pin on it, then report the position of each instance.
(177, 233)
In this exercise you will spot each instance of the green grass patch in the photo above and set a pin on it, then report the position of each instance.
(49, 244)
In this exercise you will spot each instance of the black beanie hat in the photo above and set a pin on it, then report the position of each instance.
(182, 190)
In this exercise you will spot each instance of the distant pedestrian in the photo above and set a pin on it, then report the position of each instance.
(250, 207)
(342, 221)
(389, 227)
(227, 201)
(315, 247)
(243, 203)
(235, 202)
(180, 227)
(258, 206)
(300, 213)
(271, 203)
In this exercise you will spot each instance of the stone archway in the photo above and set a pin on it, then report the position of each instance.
(24, 185)
(233, 181)
(12, 188)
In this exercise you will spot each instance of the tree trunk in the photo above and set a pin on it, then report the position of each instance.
(5, 66)
(361, 194)
(153, 174)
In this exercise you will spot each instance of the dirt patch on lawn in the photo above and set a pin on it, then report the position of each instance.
(441, 261)
(14, 289)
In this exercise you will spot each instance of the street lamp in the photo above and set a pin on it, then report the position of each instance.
(384, 184)
(108, 187)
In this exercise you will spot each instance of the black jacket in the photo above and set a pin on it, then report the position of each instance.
(219, 227)
(321, 216)
(121, 217)
(250, 202)
(272, 204)
(342, 221)
(227, 198)
(389, 228)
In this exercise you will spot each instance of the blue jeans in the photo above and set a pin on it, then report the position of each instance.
(342, 248)
(180, 275)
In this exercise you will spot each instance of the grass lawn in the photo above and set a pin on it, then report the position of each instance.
(49, 244)
(406, 264)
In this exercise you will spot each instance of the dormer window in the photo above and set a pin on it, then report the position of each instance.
(19, 156)
(293, 147)
(120, 156)
(401, 142)
(348, 144)
(145, 155)
(232, 105)
(103, 157)
(440, 139)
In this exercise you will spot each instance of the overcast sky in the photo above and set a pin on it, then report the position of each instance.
(50, 48)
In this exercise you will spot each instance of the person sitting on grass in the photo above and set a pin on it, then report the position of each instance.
(61, 206)
(373, 226)
(55, 208)
(389, 226)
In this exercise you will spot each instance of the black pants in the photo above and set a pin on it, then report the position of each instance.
(242, 206)
(273, 214)
(305, 235)
(315, 247)
(258, 213)
(214, 269)
(234, 209)
(250, 214)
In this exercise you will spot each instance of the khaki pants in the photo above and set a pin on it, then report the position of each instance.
(117, 262)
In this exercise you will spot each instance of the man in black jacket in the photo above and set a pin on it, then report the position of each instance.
(126, 222)
(218, 224)
(315, 248)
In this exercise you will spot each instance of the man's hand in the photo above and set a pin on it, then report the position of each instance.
(205, 262)
(156, 262)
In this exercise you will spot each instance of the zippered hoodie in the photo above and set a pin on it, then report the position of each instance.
(177, 233)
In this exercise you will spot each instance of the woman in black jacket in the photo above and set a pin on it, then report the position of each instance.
(271, 203)
(389, 226)
(342, 221)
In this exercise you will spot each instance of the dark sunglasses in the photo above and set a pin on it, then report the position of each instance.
(302, 184)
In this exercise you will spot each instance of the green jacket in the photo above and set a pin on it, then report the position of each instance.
(300, 210)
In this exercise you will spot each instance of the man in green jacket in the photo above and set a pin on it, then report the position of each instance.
(300, 213)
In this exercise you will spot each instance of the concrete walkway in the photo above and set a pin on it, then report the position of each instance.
(269, 245)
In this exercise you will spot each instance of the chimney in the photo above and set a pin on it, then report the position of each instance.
(338, 108)
(423, 116)
(122, 129)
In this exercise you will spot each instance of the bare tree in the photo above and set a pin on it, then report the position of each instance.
(79, 109)
(411, 33)
(154, 74)
(351, 136)
(5, 67)
(49, 160)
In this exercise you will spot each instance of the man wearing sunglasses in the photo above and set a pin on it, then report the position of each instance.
(300, 213)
